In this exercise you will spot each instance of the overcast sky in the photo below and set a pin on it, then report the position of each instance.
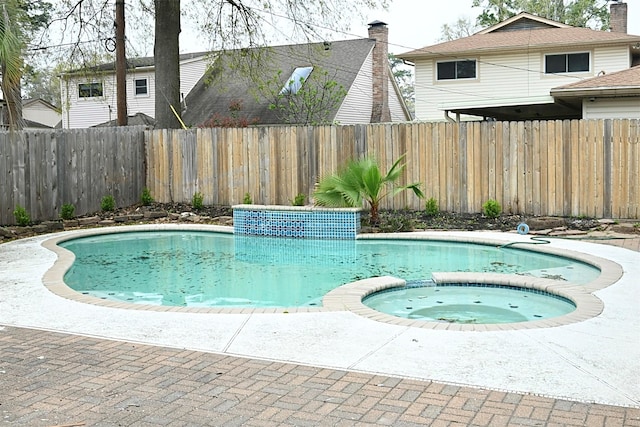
(412, 23)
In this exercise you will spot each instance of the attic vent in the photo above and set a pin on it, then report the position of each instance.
(295, 82)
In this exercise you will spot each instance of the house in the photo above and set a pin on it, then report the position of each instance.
(343, 82)
(89, 96)
(346, 82)
(527, 68)
(40, 114)
(608, 96)
(37, 114)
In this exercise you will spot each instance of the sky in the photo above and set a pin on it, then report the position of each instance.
(416, 23)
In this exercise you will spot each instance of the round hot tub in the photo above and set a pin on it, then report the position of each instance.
(468, 303)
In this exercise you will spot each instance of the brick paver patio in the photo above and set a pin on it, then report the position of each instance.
(54, 379)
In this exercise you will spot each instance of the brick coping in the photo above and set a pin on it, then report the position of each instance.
(349, 297)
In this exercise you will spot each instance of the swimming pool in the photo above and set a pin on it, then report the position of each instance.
(208, 269)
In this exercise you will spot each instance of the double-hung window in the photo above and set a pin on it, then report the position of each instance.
(566, 63)
(141, 86)
(455, 70)
(89, 90)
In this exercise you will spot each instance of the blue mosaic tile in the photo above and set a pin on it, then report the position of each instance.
(315, 224)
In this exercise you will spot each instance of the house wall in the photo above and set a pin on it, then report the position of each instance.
(356, 106)
(86, 112)
(611, 108)
(507, 79)
(41, 113)
(395, 105)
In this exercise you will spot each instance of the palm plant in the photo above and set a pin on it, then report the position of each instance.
(11, 45)
(362, 180)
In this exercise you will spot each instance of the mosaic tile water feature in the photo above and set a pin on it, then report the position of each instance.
(296, 221)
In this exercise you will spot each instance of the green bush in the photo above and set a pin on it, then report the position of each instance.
(431, 207)
(146, 198)
(22, 217)
(67, 211)
(491, 209)
(197, 201)
(299, 200)
(108, 203)
(247, 199)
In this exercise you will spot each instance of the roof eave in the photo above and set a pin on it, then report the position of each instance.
(618, 91)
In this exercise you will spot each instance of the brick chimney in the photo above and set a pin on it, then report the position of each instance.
(618, 18)
(379, 32)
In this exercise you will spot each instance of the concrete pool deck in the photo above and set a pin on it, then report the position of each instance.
(595, 360)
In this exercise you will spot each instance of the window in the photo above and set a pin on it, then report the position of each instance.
(89, 90)
(452, 70)
(295, 82)
(566, 63)
(141, 86)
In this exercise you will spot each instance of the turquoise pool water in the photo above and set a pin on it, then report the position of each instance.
(471, 304)
(206, 269)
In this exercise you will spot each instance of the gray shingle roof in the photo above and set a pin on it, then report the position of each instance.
(227, 80)
(534, 38)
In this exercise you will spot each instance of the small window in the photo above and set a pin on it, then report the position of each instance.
(452, 70)
(141, 87)
(89, 90)
(566, 63)
(295, 82)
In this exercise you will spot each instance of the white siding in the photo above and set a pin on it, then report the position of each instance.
(190, 73)
(86, 112)
(509, 79)
(357, 105)
(395, 104)
(612, 108)
(41, 113)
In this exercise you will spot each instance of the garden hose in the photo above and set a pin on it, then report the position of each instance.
(523, 229)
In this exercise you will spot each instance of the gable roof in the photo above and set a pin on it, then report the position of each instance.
(515, 36)
(138, 119)
(223, 84)
(523, 20)
(625, 82)
(33, 101)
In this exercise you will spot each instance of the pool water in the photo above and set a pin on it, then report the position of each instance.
(206, 269)
(469, 304)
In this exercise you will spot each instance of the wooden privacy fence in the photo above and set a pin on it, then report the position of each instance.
(43, 170)
(561, 168)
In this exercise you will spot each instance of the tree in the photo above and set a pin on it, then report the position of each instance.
(167, 63)
(227, 23)
(305, 101)
(19, 19)
(42, 83)
(578, 13)
(463, 27)
(362, 180)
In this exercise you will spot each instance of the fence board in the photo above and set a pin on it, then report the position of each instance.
(577, 167)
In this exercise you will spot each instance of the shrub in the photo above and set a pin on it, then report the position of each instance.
(67, 211)
(362, 180)
(247, 199)
(491, 209)
(108, 203)
(22, 217)
(197, 201)
(146, 198)
(431, 207)
(299, 200)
